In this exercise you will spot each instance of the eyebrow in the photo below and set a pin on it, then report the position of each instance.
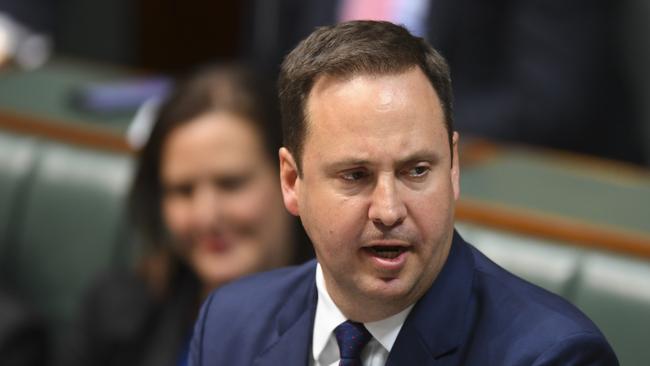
(421, 155)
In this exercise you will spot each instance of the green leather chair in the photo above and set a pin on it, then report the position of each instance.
(17, 157)
(72, 227)
(614, 291)
(544, 263)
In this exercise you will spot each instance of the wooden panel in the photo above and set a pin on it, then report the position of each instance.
(555, 228)
(64, 132)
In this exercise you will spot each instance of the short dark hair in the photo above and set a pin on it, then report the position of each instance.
(352, 48)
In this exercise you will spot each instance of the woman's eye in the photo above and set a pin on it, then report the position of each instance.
(232, 183)
(180, 190)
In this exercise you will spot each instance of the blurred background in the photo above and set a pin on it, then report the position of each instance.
(552, 101)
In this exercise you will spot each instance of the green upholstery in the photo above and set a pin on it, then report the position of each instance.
(546, 184)
(547, 264)
(71, 227)
(615, 292)
(17, 156)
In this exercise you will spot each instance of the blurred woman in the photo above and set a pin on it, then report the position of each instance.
(208, 209)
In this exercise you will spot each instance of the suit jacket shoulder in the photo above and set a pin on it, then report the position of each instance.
(251, 319)
(530, 325)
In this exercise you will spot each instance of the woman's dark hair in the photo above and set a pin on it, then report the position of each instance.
(217, 88)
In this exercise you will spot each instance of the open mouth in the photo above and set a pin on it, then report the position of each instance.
(387, 252)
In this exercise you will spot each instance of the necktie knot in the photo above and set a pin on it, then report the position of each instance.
(351, 337)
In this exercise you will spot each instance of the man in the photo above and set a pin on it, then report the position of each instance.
(371, 167)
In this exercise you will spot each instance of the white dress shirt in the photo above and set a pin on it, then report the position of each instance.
(325, 350)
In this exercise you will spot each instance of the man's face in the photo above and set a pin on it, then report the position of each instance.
(378, 188)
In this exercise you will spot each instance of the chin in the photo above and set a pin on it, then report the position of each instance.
(217, 281)
(383, 289)
(219, 277)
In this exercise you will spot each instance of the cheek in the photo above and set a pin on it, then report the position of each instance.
(334, 222)
(177, 217)
(432, 212)
(254, 207)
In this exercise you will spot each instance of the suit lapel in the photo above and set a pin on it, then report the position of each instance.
(291, 343)
(409, 350)
(435, 328)
(292, 347)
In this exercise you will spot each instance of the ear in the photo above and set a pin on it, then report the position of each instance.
(289, 180)
(455, 167)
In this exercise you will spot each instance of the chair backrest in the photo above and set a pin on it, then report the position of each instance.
(544, 263)
(17, 157)
(614, 291)
(72, 226)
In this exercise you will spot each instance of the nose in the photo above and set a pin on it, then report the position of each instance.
(207, 207)
(386, 207)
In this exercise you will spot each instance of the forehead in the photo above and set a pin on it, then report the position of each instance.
(400, 109)
(212, 140)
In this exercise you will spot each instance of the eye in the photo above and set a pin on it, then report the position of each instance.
(180, 190)
(419, 171)
(353, 175)
(232, 183)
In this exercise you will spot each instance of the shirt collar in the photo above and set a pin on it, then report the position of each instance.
(329, 316)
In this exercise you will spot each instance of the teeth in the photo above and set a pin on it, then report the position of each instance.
(389, 255)
(387, 252)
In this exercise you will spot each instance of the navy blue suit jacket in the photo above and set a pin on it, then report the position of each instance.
(475, 313)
